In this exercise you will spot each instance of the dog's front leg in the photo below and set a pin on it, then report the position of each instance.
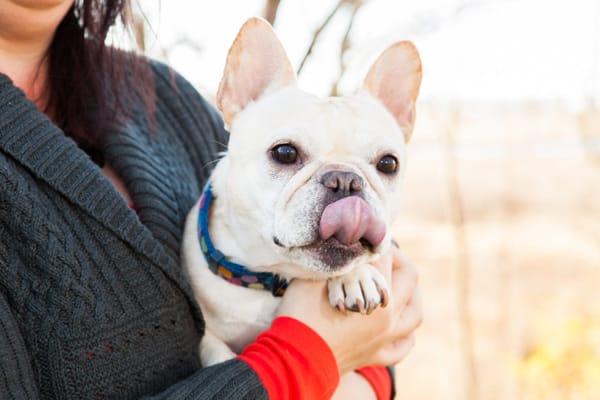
(213, 350)
(361, 290)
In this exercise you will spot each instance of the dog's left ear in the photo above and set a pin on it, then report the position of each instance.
(256, 64)
(394, 79)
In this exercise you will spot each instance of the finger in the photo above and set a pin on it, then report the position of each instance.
(396, 351)
(303, 294)
(404, 282)
(399, 260)
(384, 265)
(410, 319)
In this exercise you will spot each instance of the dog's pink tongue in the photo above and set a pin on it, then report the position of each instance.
(351, 219)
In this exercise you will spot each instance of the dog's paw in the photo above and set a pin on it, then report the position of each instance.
(361, 290)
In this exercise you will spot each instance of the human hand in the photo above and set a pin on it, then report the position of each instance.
(382, 338)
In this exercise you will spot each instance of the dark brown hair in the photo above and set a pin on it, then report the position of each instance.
(93, 87)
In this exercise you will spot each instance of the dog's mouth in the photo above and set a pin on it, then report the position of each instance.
(351, 220)
(336, 254)
(347, 229)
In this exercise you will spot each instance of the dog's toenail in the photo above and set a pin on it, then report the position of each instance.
(384, 297)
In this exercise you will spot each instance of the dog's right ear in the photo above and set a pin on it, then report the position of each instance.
(394, 79)
(256, 64)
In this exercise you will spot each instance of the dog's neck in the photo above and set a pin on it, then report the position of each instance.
(229, 240)
(229, 234)
(222, 265)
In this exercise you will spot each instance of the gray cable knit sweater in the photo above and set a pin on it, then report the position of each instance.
(93, 304)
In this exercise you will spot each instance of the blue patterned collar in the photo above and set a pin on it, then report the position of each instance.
(220, 265)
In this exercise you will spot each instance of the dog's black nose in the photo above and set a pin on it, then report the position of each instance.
(343, 183)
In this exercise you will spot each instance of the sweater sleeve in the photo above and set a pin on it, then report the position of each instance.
(229, 380)
(202, 127)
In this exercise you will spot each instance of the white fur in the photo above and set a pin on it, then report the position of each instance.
(361, 289)
(253, 203)
(233, 314)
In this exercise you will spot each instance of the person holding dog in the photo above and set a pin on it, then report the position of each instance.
(102, 154)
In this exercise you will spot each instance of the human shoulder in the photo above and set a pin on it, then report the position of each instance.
(172, 86)
(181, 103)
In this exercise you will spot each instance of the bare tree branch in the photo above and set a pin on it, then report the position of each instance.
(335, 89)
(270, 11)
(318, 32)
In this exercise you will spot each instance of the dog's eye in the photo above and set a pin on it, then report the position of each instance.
(285, 154)
(387, 164)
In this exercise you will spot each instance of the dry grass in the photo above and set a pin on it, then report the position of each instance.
(532, 212)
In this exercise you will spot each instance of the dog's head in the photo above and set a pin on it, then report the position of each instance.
(318, 180)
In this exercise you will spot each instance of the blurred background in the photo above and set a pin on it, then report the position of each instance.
(501, 206)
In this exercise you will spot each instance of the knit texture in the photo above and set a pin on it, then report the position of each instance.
(93, 302)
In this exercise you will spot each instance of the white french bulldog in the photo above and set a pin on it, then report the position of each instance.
(306, 190)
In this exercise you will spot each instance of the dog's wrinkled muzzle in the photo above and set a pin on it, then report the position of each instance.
(351, 219)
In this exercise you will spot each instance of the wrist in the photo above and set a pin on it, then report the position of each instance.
(291, 358)
(341, 357)
(316, 325)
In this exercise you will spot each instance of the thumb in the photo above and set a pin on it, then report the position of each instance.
(384, 265)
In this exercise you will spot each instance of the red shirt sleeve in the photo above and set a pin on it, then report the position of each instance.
(293, 362)
(380, 380)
